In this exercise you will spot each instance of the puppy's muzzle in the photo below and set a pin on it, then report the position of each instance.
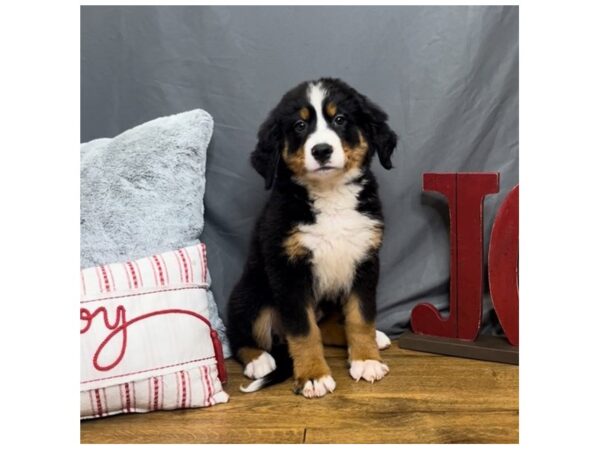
(322, 153)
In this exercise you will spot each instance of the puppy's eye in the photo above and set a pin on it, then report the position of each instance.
(300, 126)
(339, 119)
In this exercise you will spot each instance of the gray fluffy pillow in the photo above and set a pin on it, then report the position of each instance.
(142, 192)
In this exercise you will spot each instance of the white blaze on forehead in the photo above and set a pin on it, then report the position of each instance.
(322, 134)
(316, 97)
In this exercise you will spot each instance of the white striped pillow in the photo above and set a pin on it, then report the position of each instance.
(146, 342)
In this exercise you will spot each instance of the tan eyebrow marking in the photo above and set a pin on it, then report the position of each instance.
(304, 113)
(331, 109)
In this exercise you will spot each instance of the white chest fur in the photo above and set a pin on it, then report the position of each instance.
(340, 238)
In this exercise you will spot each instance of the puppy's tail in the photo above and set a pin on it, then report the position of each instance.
(284, 368)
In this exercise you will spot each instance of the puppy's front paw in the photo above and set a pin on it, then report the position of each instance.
(369, 370)
(315, 387)
(382, 340)
(260, 367)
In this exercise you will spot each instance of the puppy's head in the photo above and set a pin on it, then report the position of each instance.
(321, 130)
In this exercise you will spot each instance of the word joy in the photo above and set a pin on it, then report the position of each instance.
(119, 328)
(465, 193)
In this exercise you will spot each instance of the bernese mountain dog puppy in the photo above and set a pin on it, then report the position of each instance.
(311, 275)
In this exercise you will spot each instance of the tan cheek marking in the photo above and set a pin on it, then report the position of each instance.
(360, 334)
(261, 328)
(355, 156)
(248, 354)
(304, 113)
(331, 109)
(295, 161)
(293, 246)
(307, 353)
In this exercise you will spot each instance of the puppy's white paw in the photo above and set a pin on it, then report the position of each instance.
(382, 340)
(318, 388)
(261, 366)
(369, 370)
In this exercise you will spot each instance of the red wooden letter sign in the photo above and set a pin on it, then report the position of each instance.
(465, 193)
(503, 265)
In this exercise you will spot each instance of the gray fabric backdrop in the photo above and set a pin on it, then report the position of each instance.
(447, 76)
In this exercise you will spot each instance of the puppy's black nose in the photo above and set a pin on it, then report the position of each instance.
(322, 152)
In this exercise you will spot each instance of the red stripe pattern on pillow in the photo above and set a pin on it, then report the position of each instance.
(146, 342)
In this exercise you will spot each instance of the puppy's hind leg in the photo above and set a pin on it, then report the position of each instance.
(249, 323)
(256, 360)
(332, 330)
(257, 363)
(383, 341)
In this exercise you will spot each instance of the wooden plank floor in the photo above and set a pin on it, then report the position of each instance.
(424, 399)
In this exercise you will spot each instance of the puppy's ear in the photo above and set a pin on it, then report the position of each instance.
(265, 157)
(380, 136)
